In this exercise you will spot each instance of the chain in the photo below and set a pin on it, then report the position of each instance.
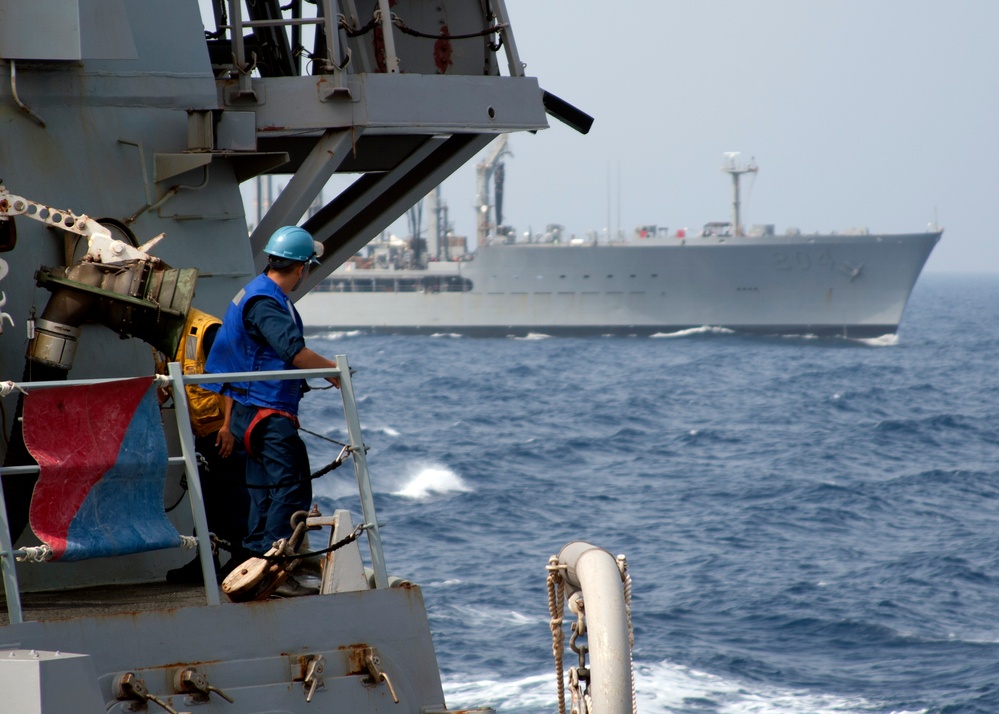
(579, 677)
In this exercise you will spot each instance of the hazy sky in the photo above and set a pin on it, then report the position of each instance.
(860, 113)
(876, 113)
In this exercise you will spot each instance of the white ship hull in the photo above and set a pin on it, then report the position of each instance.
(848, 285)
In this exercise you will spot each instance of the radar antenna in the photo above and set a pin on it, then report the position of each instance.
(733, 168)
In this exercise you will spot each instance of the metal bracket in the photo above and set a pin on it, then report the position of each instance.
(130, 687)
(190, 681)
(372, 663)
(315, 665)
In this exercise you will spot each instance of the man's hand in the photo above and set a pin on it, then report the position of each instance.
(225, 441)
(307, 359)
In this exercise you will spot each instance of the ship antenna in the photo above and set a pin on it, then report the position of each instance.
(736, 171)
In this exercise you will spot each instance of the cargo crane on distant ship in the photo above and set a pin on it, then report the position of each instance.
(490, 169)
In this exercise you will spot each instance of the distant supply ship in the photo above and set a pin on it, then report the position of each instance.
(854, 284)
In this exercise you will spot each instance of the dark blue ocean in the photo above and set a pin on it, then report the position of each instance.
(811, 525)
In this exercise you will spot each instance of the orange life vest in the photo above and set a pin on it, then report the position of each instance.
(206, 408)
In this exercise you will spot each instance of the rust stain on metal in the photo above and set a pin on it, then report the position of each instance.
(180, 665)
(443, 51)
(355, 657)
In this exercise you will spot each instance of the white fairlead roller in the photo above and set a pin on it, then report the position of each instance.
(595, 572)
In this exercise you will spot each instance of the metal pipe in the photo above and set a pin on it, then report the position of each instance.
(194, 483)
(391, 60)
(334, 56)
(13, 92)
(8, 566)
(594, 571)
(26, 470)
(361, 472)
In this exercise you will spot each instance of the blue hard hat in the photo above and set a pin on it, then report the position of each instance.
(295, 244)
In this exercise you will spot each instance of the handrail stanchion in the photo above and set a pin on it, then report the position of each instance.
(334, 55)
(239, 49)
(513, 62)
(194, 483)
(9, 566)
(361, 471)
(388, 37)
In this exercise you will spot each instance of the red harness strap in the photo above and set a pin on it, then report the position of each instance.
(263, 413)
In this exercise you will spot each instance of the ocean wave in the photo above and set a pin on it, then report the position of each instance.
(340, 334)
(532, 336)
(810, 524)
(428, 480)
(889, 340)
(691, 331)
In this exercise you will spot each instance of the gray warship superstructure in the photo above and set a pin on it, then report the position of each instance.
(854, 284)
(126, 129)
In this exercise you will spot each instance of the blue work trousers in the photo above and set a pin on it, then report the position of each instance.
(280, 464)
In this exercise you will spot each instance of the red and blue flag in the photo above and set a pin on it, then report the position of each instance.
(102, 457)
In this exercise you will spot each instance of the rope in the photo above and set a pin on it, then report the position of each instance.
(334, 464)
(350, 538)
(35, 554)
(323, 437)
(622, 565)
(556, 601)
(10, 387)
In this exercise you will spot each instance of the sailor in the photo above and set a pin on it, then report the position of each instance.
(262, 331)
(221, 468)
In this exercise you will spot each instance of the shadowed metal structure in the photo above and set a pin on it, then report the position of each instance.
(126, 130)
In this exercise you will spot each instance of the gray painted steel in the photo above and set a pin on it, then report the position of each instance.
(120, 109)
(847, 285)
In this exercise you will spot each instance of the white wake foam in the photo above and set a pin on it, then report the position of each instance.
(340, 334)
(660, 687)
(534, 336)
(430, 479)
(703, 330)
(889, 340)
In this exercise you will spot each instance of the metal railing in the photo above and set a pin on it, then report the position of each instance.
(177, 381)
(327, 21)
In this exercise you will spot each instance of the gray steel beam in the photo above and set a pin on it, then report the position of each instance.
(375, 201)
(304, 186)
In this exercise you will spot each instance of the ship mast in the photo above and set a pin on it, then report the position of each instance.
(736, 171)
